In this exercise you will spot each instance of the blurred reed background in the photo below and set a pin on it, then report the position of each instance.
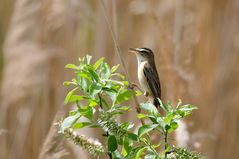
(197, 53)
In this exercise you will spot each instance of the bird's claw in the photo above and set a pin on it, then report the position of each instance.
(132, 85)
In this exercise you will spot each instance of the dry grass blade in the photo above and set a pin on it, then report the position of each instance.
(51, 148)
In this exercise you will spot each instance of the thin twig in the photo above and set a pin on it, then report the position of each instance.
(114, 19)
(99, 95)
(118, 52)
(113, 35)
(166, 143)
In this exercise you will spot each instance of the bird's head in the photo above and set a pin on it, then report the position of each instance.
(142, 54)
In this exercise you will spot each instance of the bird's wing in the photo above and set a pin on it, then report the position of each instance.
(152, 80)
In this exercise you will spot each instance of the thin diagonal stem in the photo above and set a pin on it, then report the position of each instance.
(166, 143)
(116, 44)
(118, 52)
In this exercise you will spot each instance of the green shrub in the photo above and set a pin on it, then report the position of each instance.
(99, 93)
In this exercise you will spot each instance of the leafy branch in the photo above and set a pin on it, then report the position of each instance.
(100, 88)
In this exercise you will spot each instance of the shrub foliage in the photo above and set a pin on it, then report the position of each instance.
(99, 93)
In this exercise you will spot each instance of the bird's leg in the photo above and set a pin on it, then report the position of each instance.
(133, 85)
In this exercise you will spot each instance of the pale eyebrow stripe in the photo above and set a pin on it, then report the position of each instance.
(143, 50)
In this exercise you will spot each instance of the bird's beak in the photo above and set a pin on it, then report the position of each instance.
(133, 50)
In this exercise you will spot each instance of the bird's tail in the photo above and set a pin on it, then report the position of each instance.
(156, 103)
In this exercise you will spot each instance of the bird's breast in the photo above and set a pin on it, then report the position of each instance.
(141, 77)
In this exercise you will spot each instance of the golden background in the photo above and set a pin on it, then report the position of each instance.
(196, 44)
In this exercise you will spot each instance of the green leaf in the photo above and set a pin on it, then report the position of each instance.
(117, 113)
(145, 129)
(170, 106)
(127, 147)
(72, 112)
(92, 103)
(156, 145)
(69, 121)
(79, 125)
(162, 105)
(116, 155)
(69, 95)
(95, 88)
(173, 126)
(98, 63)
(113, 82)
(88, 58)
(179, 103)
(150, 108)
(75, 98)
(105, 71)
(85, 84)
(141, 116)
(112, 143)
(167, 127)
(152, 118)
(94, 75)
(161, 123)
(86, 111)
(168, 118)
(114, 68)
(185, 110)
(120, 140)
(133, 136)
(133, 152)
(67, 83)
(105, 103)
(188, 107)
(138, 93)
(123, 108)
(124, 151)
(119, 108)
(74, 80)
(118, 75)
(140, 152)
(71, 66)
(151, 156)
(126, 125)
(84, 74)
(180, 114)
(123, 96)
(125, 83)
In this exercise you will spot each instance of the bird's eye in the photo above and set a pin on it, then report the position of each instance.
(142, 53)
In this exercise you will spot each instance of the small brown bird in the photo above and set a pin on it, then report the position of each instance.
(147, 74)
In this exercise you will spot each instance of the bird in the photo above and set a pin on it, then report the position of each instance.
(147, 74)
